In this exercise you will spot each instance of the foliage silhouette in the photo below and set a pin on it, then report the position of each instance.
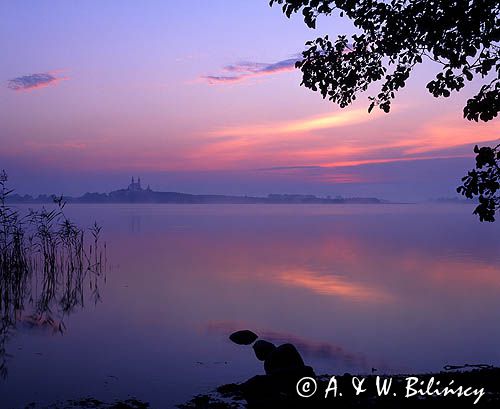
(46, 266)
(484, 181)
(460, 36)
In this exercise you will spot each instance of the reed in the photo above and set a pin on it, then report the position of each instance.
(49, 267)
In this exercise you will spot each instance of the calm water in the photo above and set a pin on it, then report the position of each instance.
(402, 288)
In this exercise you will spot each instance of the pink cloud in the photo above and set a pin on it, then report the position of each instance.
(34, 81)
(246, 70)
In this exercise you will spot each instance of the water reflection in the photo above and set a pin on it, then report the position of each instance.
(398, 288)
(309, 348)
(336, 286)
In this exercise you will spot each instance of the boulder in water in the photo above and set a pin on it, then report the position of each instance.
(243, 337)
(283, 358)
(262, 349)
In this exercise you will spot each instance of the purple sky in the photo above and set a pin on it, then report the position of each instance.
(202, 97)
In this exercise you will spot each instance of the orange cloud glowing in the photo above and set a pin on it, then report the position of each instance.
(326, 121)
(342, 164)
(446, 134)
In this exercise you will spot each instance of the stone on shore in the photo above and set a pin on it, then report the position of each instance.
(263, 349)
(283, 358)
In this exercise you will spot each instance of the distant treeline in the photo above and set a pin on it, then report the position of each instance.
(150, 196)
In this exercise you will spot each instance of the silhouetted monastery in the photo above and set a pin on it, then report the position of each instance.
(136, 186)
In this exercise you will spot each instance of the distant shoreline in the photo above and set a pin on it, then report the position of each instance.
(126, 196)
(135, 193)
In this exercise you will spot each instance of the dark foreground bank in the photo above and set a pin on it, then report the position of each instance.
(236, 396)
(287, 382)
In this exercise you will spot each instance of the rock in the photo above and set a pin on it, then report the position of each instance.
(260, 390)
(262, 349)
(277, 390)
(243, 337)
(286, 379)
(283, 358)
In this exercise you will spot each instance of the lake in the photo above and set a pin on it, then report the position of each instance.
(400, 288)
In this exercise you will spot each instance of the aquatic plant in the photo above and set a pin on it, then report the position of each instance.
(48, 266)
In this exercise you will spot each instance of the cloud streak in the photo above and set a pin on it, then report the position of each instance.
(341, 139)
(245, 70)
(33, 81)
(308, 124)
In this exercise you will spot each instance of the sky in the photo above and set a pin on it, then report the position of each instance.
(202, 97)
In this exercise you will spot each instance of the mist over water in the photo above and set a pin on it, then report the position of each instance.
(401, 288)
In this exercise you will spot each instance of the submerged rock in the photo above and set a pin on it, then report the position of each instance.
(243, 337)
